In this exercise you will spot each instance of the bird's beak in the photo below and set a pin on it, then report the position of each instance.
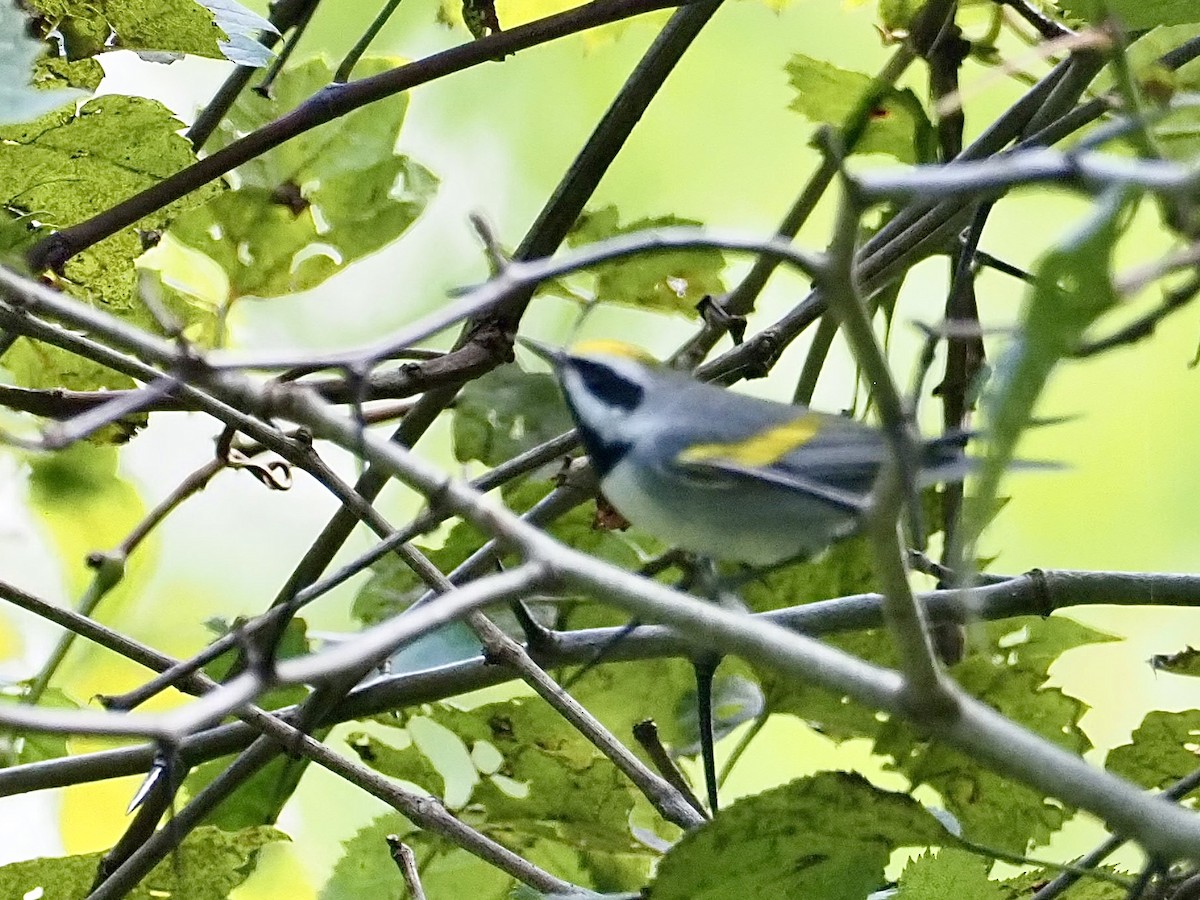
(552, 355)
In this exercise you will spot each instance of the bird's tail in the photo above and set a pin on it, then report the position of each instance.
(945, 459)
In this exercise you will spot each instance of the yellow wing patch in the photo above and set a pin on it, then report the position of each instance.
(606, 347)
(762, 449)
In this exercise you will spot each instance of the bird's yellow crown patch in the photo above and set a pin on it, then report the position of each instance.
(609, 347)
(762, 449)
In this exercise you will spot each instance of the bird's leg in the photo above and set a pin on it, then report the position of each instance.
(706, 580)
(706, 668)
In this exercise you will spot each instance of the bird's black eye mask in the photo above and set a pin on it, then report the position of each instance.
(602, 382)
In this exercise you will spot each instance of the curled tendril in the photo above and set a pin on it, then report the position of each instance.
(275, 475)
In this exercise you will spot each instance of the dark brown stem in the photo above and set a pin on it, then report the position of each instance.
(330, 103)
(646, 734)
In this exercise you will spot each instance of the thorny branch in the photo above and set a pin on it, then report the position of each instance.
(977, 729)
(936, 202)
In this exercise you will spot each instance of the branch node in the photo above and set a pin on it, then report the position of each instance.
(1041, 591)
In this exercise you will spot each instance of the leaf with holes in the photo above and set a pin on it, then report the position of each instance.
(674, 281)
(161, 30)
(507, 412)
(69, 166)
(1008, 671)
(1162, 749)
(539, 786)
(305, 210)
(19, 100)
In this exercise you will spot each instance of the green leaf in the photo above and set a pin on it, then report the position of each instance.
(67, 167)
(1073, 289)
(845, 569)
(826, 836)
(393, 586)
(19, 748)
(553, 782)
(19, 101)
(292, 643)
(507, 412)
(663, 690)
(1162, 749)
(948, 874)
(85, 505)
(74, 477)
(1134, 15)
(256, 801)
(1026, 886)
(70, 165)
(536, 785)
(207, 866)
(366, 869)
(537, 777)
(663, 282)
(826, 94)
(403, 763)
(1026, 647)
(1176, 131)
(308, 208)
(1008, 671)
(212, 28)
(897, 15)
(836, 716)
(1185, 662)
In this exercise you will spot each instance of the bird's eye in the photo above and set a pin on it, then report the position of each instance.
(603, 382)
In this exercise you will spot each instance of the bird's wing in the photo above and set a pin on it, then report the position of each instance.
(845, 501)
(799, 454)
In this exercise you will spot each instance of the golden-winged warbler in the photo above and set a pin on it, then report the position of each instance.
(722, 474)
